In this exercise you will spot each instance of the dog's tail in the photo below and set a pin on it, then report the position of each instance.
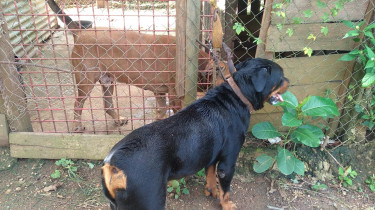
(63, 17)
(114, 179)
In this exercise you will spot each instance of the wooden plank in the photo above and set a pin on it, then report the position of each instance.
(263, 33)
(56, 146)
(192, 50)
(180, 47)
(354, 10)
(280, 41)
(315, 69)
(12, 92)
(4, 131)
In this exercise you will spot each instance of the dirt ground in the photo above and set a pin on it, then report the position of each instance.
(27, 184)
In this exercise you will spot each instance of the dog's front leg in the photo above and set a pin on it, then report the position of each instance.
(107, 89)
(161, 105)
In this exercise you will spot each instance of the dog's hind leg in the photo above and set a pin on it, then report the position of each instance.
(107, 88)
(83, 93)
(210, 188)
(161, 105)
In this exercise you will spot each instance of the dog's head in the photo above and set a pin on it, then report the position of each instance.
(261, 81)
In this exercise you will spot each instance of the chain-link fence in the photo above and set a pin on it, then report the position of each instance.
(124, 69)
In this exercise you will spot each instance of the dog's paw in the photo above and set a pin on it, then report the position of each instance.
(229, 205)
(211, 192)
(122, 121)
(78, 128)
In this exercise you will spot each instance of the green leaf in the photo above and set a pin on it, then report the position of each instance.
(351, 34)
(279, 26)
(368, 80)
(290, 100)
(325, 17)
(170, 189)
(91, 165)
(176, 196)
(320, 4)
(320, 107)
(265, 130)
(347, 57)
(290, 32)
(370, 53)
(297, 20)
(305, 136)
(324, 30)
(308, 13)
(350, 182)
(264, 162)
(56, 174)
(314, 129)
(369, 34)
(299, 167)
(371, 26)
(307, 51)
(285, 161)
(370, 64)
(334, 12)
(290, 120)
(185, 191)
(175, 184)
(341, 171)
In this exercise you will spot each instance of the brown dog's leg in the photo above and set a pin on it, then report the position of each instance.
(83, 94)
(161, 105)
(108, 104)
(210, 188)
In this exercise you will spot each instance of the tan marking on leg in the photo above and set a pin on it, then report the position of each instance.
(114, 179)
(225, 203)
(210, 188)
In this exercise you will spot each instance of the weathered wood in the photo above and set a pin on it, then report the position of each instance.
(11, 88)
(180, 47)
(266, 22)
(101, 3)
(229, 14)
(315, 69)
(351, 11)
(280, 41)
(4, 131)
(56, 146)
(192, 50)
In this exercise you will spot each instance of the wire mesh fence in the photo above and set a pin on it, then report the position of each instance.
(120, 72)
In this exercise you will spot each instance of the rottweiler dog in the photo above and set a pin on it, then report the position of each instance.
(208, 134)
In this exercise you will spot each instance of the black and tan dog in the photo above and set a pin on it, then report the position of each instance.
(206, 134)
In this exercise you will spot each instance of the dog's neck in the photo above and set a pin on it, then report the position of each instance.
(240, 95)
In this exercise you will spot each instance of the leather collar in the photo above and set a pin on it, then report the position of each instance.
(238, 92)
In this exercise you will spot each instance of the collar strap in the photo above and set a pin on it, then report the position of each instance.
(238, 92)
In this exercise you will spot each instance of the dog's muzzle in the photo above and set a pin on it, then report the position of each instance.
(275, 99)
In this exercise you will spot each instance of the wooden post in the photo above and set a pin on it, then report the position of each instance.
(11, 89)
(192, 50)
(187, 50)
(266, 22)
(180, 47)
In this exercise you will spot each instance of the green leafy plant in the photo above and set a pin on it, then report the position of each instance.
(367, 112)
(178, 186)
(366, 55)
(67, 165)
(201, 173)
(298, 117)
(318, 186)
(346, 176)
(371, 182)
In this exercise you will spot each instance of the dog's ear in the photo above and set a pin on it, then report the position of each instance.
(259, 79)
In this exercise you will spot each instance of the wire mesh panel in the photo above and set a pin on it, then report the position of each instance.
(112, 74)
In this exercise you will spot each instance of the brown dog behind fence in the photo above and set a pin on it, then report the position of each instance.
(107, 56)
